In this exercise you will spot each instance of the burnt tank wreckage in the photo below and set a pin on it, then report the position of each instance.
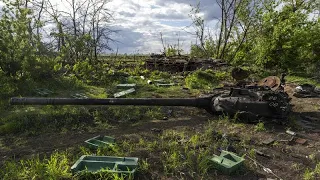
(265, 99)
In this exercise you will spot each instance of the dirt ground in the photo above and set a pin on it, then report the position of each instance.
(286, 159)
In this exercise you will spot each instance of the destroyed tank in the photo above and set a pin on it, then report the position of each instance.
(247, 103)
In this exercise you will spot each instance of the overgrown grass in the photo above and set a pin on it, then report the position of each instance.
(207, 79)
(302, 80)
(182, 154)
(57, 166)
(310, 174)
(31, 119)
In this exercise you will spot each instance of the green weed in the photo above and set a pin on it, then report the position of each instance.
(57, 166)
(144, 165)
(259, 127)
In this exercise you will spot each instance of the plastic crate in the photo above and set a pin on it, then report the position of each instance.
(121, 86)
(100, 141)
(227, 162)
(124, 93)
(110, 164)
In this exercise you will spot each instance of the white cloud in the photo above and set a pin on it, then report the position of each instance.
(141, 21)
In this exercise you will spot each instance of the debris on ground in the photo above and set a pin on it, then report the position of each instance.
(268, 141)
(121, 86)
(283, 137)
(100, 141)
(290, 132)
(110, 164)
(165, 85)
(227, 162)
(301, 141)
(159, 81)
(306, 91)
(261, 153)
(80, 96)
(267, 170)
(123, 93)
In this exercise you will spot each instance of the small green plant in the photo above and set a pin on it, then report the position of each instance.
(144, 165)
(259, 127)
(202, 79)
(308, 174)
(57, 166)
(252, 153)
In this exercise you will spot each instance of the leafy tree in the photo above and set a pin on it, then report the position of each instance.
(287, 38)
(17, 53)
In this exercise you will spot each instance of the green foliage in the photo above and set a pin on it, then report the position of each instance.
(310, 174)
(56, 167)
(276, 35)
(173, 50)
(197, 51)
(287, 39)
(204, 79)
(259, 127)
(19, 46)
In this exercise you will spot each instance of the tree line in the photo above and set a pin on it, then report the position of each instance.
(37, 35)
(281, 34)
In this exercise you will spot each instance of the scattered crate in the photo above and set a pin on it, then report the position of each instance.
(100, 141)
(159, 81)
(121, 86)
(227, 162)
(110, 164)
(165, 85)
(123, 93)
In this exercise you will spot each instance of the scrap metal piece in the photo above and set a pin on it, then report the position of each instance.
(268, 141)
(282, 137)
(273, 82)
(261, 153)
(165, 85)
(301, 141)
(120, 86)
(123, 93)
(290, 132)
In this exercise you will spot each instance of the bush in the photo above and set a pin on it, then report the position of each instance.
(204, 79)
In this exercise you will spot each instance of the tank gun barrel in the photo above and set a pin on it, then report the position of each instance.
(192, 102)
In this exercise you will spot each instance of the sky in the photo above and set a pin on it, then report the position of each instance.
(141, 21)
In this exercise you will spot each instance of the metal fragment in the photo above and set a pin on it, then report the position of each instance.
(301, 141)
(268, 141)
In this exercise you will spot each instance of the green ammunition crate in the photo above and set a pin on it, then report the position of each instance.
(110, 164)
(227, 162)
(100, 141)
